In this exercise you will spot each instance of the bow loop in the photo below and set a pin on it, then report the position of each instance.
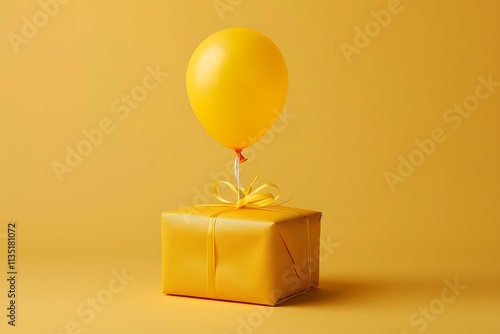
(248, 196)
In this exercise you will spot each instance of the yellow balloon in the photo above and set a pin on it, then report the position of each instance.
(237, 83)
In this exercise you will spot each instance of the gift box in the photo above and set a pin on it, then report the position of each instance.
(261, 255)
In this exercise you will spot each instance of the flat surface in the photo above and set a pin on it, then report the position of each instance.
(347, 304)
(391, 129)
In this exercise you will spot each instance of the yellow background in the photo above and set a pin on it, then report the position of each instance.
(348, 124)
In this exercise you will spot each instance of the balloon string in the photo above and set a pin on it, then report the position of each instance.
(237, 175)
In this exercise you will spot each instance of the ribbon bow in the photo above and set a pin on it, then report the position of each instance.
(248, 196)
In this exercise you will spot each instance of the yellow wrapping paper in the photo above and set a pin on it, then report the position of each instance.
(253, 255)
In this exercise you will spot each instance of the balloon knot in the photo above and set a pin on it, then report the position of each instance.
(240, 156)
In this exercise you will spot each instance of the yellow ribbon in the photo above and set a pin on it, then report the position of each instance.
(246, 197)
(250, 197)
